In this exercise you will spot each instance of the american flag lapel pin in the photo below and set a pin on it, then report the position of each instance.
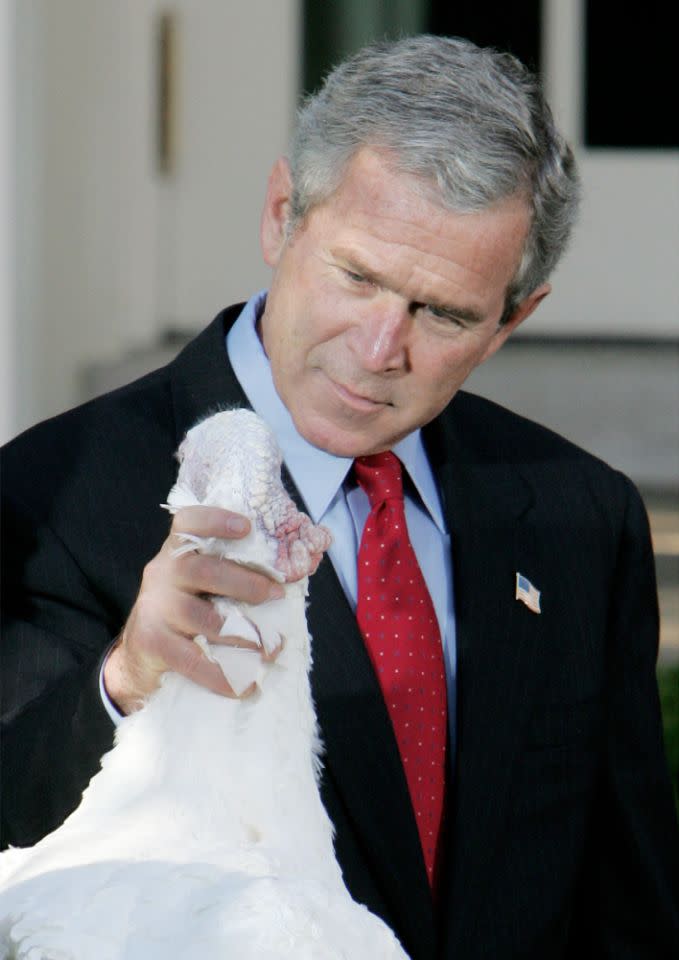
(527, 593)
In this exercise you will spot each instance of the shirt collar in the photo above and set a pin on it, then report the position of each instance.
(318, 475)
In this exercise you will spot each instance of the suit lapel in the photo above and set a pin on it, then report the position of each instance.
(487, 505)
(201, 376)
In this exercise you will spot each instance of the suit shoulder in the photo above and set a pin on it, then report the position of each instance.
(571, 489)
(550, 462)
(498, 431)
(129, 413)
(119, 447)
(120, 411)
(103, 444)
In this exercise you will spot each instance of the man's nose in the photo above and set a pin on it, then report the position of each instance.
(380, 337)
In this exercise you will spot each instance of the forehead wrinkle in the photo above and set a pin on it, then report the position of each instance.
(411, 244)
(416, 237)
(419, 220)
(420, 282)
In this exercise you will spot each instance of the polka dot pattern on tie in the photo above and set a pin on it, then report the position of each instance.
(397, 619)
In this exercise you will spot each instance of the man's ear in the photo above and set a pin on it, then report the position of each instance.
(517, 316)
(276, 213)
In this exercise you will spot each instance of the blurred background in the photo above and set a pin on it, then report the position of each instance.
(135, 141)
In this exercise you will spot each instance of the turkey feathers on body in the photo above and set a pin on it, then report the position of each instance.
(203, 835)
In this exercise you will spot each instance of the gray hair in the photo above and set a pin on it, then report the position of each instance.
(471, 122)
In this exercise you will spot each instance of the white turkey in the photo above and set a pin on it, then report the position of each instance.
(203, 836)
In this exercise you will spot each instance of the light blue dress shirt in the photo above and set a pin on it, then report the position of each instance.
(343, 507)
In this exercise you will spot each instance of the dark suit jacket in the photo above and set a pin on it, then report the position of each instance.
(561, 837)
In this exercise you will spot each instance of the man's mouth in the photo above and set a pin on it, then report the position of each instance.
(355, 399)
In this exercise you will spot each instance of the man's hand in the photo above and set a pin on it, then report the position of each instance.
(173, 606)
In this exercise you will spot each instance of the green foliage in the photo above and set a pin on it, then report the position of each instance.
(668, 683)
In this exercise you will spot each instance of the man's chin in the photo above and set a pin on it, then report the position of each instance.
(343, 441)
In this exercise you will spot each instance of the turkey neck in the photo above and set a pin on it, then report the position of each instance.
(239, 770)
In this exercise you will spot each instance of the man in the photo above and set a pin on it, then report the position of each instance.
(426, 200)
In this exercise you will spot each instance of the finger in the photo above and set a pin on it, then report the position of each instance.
(192, 615)
(202, 573)
(205, 521)
(184, 656)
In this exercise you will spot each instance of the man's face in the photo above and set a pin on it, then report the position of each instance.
(382, 303)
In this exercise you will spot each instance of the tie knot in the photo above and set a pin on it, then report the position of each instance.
(380, 476)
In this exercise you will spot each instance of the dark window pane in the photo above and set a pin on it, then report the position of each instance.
(631, 76)
(492, 23)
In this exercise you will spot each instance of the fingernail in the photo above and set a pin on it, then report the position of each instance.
(276, 591)
(238, 525)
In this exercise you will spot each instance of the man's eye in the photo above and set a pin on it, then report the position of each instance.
(355, 277)
(444, 315)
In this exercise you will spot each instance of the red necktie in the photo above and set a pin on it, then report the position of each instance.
(397, 619)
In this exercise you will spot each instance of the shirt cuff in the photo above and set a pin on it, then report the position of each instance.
(109, 706)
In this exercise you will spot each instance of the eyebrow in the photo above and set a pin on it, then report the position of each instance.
(472, 317)
(466, 314)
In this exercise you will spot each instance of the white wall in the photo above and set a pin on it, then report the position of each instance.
(110, 252)
(239, 83)
(620, 276)
(7, 291)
